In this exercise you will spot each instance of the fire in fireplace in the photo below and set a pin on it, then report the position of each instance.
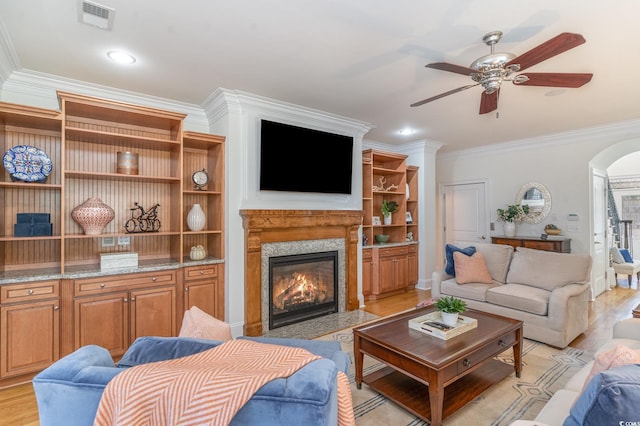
(302, 287)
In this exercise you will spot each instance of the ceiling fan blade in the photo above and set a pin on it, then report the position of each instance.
(555, 79)
(445, 66)
(548, 49)
(489, 103)
(442, 95)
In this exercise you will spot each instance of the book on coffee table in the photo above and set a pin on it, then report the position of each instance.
(432, 325)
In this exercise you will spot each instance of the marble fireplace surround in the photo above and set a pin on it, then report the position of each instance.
(275, 226)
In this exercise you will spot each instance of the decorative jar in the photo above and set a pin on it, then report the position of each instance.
(196, 218)
(93, 215)
(197, 253)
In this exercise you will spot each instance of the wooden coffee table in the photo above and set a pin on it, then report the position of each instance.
(431, 377)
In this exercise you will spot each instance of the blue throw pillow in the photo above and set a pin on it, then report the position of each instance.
(449, 250)
(152, 349)
(626, 255)
(611, 397)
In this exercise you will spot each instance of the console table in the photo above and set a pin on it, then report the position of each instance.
(557, 244)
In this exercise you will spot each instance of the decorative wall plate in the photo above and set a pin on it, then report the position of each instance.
(27, 163)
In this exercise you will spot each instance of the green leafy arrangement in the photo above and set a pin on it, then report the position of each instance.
(389, 207)
(451, 305)
(513, 213)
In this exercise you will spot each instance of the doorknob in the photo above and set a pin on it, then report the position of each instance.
(483, 237)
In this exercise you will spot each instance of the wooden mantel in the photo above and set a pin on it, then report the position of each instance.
(271, 226)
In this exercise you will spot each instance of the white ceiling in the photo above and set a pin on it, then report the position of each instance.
(362, 59)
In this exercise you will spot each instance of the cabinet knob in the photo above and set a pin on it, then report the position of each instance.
(133, 299)
(30, 291)
(502, 343)
(466, 362)
(201, 272)
(186, 289)
(125, 300)
(154, 279)
(55, 308)
(101, 285)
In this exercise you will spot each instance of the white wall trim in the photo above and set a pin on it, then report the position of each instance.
(9, 61)
(616, 132)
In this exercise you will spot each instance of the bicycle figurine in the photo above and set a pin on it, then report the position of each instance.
(141, 220)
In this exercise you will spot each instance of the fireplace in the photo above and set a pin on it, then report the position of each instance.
(302, 287)
(307, 231)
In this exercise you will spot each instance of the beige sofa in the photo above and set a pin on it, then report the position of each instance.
(614, 399)
(548, 291)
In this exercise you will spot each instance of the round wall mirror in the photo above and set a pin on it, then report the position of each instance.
(537, 197)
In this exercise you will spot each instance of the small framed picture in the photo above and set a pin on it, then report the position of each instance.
(409, 218)
(376, 221)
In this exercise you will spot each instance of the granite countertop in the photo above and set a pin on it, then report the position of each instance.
(18, 277)
(404, 243)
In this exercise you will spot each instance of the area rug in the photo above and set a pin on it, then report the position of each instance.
(544, 371)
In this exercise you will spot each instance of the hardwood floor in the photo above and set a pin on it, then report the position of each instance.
(18, 405)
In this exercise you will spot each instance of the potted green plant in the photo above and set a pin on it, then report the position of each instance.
(450, 307)
(513, 214)
(388, 207)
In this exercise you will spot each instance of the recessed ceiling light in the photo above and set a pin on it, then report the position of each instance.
(120, 57)
(407, 132)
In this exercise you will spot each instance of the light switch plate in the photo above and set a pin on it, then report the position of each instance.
(124, 240)
(108, 241)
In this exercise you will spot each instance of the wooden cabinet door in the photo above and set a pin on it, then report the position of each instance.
(367, 272)
(401, 272)
(29, 337)
(153, 312)
(387, 274)
(102, 321)
(203, 295)
(412, 267)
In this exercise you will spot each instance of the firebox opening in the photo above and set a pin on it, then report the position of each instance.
(302, 287)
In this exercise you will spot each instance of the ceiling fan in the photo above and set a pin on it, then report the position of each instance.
(490, 71)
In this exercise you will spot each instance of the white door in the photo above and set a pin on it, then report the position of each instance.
(465, 212)
(599, 251)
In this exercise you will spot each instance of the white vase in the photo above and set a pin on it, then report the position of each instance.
(388, 219)
(509, 229)
(450, 319)
(196, 218)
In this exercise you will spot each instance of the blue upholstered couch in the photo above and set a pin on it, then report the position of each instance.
(68, 392)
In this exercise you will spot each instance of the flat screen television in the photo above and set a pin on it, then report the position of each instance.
(297, 159)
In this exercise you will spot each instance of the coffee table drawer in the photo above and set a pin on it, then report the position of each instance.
(491, 349)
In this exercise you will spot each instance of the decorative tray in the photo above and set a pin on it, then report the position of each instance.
(432, 325)
(27, 163)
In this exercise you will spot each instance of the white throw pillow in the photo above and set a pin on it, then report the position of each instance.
(616, 256)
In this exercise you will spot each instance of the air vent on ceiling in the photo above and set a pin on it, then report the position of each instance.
(95, 14)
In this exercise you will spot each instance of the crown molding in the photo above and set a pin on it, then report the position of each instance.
(39, 89)
(9, 61)
(614, 132)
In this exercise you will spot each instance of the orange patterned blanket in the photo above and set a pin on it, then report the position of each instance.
(206, 388)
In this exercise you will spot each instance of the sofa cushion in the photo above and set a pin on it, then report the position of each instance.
(548, 270)
(612, 391)
(497, 257)
(471, 269)
(151, 349)
(449, 249)
(199, 324)
(472, 291)
(520, 297)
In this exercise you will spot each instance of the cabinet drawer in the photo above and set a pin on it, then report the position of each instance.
(31, 291)
(193, 273)
(366, 254)
(412, 248)
(393, 251)
(120, 282)
(539, 245)
(486, 352)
